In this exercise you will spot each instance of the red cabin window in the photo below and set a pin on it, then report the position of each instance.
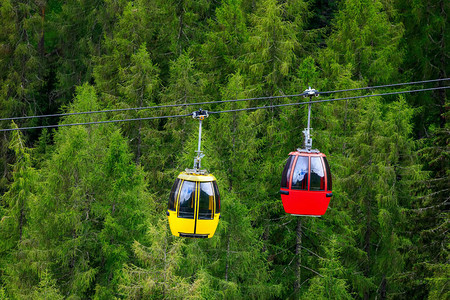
(300, 173)
(287, 173)
(317, 175)
(327, 168)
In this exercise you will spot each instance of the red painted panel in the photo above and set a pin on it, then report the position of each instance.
(299, 202)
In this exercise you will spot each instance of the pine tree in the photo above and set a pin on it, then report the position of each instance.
(155, 274)
(428, 252)
(130, 32)
(383, 154)
(222, 51)
(364, 41)
(426, 47)
(186, 85)
(47, 288)
(329, 284)
(90, 210)
(23, 66)
(139, 81)
(20, 193)
(271, 45)
(77, 39)
(15, 203)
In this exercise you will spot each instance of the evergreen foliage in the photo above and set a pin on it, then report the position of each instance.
(82, 208)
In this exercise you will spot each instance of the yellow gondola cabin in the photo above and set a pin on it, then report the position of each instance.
(194, 205)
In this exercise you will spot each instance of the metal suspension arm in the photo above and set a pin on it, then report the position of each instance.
(307, 132)
(199, 115)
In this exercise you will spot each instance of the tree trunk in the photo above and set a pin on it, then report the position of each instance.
(442, 74)
(345, 125)
(298, 248)
(227, 261)
(383, 288)
(21, 220)
(367, 237)
(41, 44)
(180, 23)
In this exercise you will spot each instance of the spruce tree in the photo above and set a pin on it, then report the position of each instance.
(329, 283)
(88, 213)
(385, 167)
(365, 40)
(20, 193)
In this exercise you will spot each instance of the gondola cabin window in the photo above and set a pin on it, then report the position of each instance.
(300, 175)
(206, 202)
(217, 196)
(187, 200)
(329, 180)
(317, 175)
(174, 194)
(286, 173)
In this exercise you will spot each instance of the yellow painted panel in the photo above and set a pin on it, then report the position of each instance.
(178, 225)
(208, 226)
(196, 177)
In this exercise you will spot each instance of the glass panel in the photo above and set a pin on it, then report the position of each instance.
(327, 168)
(187, 200)
(286, 173)
(317, 175)
(174, 194)
(217, 196)
(300, 175)
(206, 203)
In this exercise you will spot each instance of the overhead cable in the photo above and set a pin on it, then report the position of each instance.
(95, 122)
(384, 86)
(226, 111)
(148, 107)
(328, 100)
(212, 102)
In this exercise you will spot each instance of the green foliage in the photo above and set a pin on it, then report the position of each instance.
(22, 191)
(82, 214)
(83, 225)
(155, 276)
(270, 47)
(439, 288)
(366, 41)
(47, 288)
(329, 284)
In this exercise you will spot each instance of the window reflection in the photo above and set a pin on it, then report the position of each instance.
(329, 181)
(187, 200)
(217, 196)
(300, 175)
(286, 173)
(206, 201)
(317, 175)
(174, 194)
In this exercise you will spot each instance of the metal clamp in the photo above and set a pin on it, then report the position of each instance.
(200, 114)
(311, 92)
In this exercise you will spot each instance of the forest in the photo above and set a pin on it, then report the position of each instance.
(83, 208)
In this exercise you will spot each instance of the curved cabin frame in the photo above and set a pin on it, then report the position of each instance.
(306, 185)
(194, 206)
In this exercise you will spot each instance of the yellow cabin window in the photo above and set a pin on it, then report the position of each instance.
(206, 201)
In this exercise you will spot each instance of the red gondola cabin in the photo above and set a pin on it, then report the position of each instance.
(306, 184)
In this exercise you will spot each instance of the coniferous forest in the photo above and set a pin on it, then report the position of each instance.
(83, 208)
